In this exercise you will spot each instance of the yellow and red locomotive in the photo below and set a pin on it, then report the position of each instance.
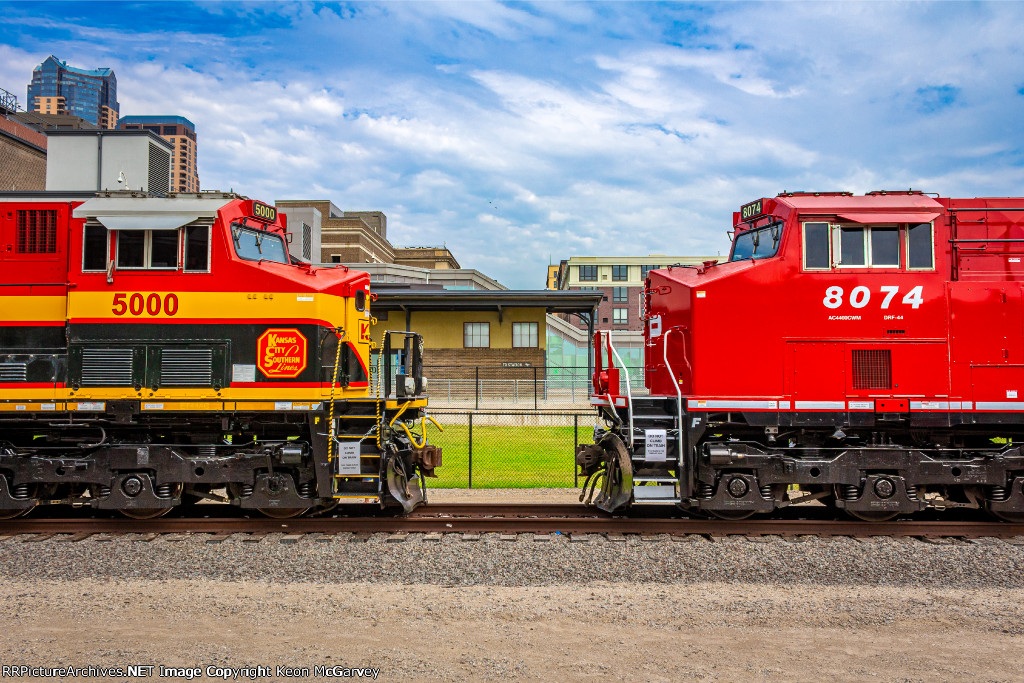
(867, 349)
(160, 349)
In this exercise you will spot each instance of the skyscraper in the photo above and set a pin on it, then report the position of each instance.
(181, 133)
(57, 88)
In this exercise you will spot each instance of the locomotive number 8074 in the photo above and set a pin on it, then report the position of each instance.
(862, 351)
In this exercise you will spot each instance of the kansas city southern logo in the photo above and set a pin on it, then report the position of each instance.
(281, 353)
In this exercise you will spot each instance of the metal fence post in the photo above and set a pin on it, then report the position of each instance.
(471, 450)
(476, 387)
(535, 387)
(575, 445)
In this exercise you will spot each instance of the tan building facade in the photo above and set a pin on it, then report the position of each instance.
(181, 133)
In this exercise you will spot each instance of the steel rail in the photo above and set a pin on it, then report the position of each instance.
(538, 519)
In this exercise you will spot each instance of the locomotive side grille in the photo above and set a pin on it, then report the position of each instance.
(186, 367)
(107, 367)
(13, 372)
(872, 369)
(37, 232)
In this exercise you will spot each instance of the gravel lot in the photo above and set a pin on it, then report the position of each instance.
(490, 609)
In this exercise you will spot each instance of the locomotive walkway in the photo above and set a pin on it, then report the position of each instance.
(507, 519)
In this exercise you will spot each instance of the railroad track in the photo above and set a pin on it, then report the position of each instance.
(509, 519)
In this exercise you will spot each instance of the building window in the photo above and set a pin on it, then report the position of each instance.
(620, 294)
(620, 273)
(620, 316)
(645, 271)
(524, 335)
(335, 258)
(588, 273)
(476, 335)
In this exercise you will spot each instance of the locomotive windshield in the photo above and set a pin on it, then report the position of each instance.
(258, 245)
(757, 244)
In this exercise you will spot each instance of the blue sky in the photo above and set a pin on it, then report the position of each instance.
(516, 133)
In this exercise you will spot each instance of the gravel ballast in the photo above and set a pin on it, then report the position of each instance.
(453, 561)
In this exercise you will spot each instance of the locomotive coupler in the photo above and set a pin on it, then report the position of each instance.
(427, 457)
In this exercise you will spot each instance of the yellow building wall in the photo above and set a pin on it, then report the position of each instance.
(443, 329)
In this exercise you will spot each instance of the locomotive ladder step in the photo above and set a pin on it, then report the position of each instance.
(655, 417)
(663, 491)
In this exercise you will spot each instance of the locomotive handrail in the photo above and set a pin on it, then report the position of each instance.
(679, 394)
(629, 393)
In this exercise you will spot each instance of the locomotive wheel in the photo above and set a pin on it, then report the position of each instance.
(145, 513)
(872, 515)
(21, 512)
(1006, 515)
(151, 513)
(14, 514)
(734, 515)
(282, 513)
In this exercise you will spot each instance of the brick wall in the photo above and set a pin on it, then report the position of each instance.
(462, 363)
(22, 167)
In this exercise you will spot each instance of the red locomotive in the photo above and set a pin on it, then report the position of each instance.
(867, 349)
(155, 350)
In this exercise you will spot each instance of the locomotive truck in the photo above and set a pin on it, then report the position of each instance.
(155, 350)
(866, 352)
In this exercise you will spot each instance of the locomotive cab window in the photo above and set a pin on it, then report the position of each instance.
(920, 247)
(197, 249)
(817, 250)
(258, 245)
(147, 249)
(95, 248)
(759, 243)
(829, 245)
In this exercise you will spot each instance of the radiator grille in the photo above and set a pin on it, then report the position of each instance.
(37, 232)
(186, 367)
(13, 372)
(107, 367)
(872, 369)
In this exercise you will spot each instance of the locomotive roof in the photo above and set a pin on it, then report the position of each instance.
(868, 203)
(151, 213)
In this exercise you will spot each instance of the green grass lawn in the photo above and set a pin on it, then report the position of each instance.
(506, 457)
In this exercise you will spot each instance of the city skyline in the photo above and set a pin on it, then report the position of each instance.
(520, 133)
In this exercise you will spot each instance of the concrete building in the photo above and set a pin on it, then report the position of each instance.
(59, 89)
(181, 133)
(22, 150)
(95, 160)
(361, 237)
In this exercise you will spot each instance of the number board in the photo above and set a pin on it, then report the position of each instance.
(748, 211)
(264, 212)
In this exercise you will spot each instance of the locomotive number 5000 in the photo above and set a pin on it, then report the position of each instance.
(150, 304)
(860, 296)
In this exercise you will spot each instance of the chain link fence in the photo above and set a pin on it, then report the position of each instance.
(510, 449)
(510, 387)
